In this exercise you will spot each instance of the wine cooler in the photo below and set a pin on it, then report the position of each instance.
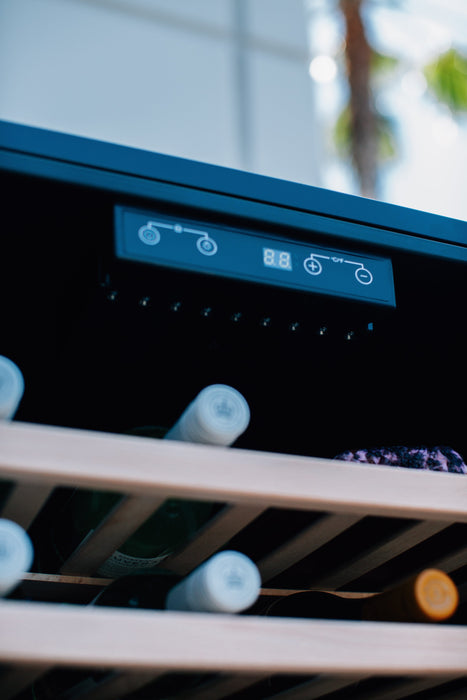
(129, 282)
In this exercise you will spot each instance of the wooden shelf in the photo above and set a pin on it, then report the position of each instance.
(240, 650)
(141, 466)
(97, 637)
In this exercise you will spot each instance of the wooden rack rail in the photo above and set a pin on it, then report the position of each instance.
(241, 652)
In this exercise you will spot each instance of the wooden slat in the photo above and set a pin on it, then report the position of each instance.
(62, 579)
(317, 687)
(449, 563)
(66, 589)
(116, 686)
(279, 592)
(32, 580)
(303, 544)
(454, 560)
(392, 690)
(122, 522)
(462, 588)
(213, 536)
(18, 678)
(454, 695)
(24, 502)
(220, 687)
(163, 467)
(62, 583)
(378, 555)
(400, 689)
(138, 640)
(120, 684)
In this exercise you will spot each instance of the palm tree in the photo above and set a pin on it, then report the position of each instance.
(361, 129)
(361, 111)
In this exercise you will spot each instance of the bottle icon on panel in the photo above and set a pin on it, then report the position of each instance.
(149, 234)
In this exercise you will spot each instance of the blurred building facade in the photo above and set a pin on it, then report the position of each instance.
(221, 81)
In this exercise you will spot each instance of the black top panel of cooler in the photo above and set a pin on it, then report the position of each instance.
(230, 193)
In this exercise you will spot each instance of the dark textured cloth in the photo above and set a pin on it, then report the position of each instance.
(438, 459)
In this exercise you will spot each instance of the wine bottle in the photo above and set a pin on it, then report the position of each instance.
(429, 596)
(16, 555)
(228, 582)
(11, 393)
(217, 416)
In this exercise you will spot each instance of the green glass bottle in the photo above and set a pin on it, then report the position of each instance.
(217, 416)
(429, 596)
(228, 582)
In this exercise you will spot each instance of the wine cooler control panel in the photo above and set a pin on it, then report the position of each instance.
(156, 239)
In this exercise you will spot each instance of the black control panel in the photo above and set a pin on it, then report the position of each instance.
(156, 239)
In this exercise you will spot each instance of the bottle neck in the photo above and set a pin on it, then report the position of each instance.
(228, 582)
(430, 596)
(217, 416)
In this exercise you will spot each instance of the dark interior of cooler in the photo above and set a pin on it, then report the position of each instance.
(111, 345)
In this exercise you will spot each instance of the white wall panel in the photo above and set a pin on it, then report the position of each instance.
(222, 81)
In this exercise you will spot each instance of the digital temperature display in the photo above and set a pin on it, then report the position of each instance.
(180, 243)
(280, 259)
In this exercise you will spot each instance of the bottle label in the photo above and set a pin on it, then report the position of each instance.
(119, 564)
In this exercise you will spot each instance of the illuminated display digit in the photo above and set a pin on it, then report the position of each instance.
(269, 257)
(284, 260)
(279, 259)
